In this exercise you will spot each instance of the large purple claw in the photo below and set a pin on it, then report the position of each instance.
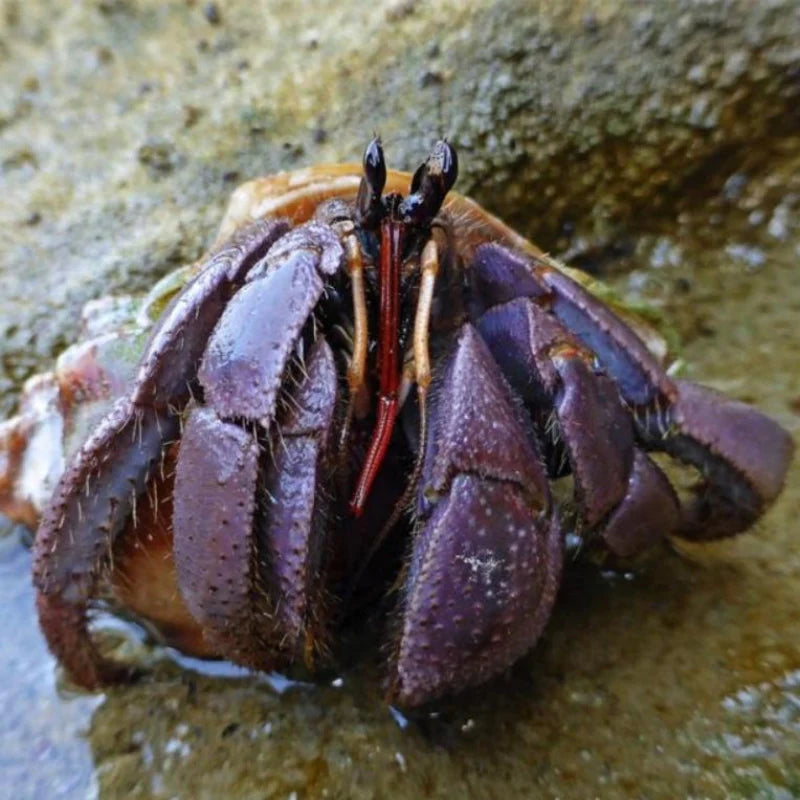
(486, 558)
(481, 586)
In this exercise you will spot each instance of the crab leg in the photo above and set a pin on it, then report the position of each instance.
(553, 375)
(497, 275)
(743, 456)
(548, 368)
(97, 492)
(90, 506)
(648, 511)
(253, 594)
(504, 275)
(486, 558)
(222, 574)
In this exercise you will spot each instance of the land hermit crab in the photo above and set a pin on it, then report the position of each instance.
(361, 387)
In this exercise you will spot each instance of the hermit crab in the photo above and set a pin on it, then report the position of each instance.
(369, 389)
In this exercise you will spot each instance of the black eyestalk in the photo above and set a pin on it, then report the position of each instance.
(430, 185)
(369, 205)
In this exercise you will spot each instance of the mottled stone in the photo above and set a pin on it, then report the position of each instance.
(568, 120)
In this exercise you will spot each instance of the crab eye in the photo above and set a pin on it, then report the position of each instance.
(431, 182)
(369, 207)
(441, 165)
(448, 160)
(375, 166)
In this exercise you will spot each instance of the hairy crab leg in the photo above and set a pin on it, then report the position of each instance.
(553, 375)
(486, 555)
(637, 372)
(90, 506)
(392, 237)
(254, 595)
(244, 372)
(743, 456)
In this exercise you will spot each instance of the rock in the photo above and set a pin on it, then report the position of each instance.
(123, 127)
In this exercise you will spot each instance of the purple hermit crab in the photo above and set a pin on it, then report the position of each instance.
(366, 391)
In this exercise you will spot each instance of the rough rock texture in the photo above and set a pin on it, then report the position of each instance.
(123, 127)
(124, 124)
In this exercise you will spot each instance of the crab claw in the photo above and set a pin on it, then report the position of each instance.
(487, 553)
(742, 453)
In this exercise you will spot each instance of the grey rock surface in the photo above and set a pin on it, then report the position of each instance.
(124, 125)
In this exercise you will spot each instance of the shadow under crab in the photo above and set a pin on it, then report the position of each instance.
(340, 324)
